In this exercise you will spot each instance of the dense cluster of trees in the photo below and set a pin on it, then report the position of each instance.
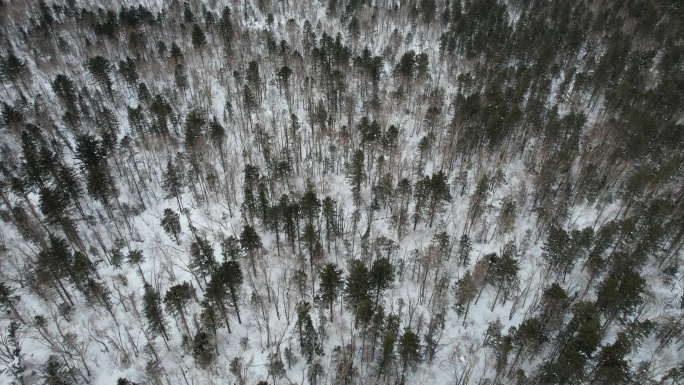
(361, 195)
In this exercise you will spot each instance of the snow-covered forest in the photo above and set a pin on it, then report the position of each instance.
(341, 192)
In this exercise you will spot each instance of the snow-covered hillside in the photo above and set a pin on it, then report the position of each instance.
(341, 192)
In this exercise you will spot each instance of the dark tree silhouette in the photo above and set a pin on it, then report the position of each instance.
(331, 283)
(152, 310)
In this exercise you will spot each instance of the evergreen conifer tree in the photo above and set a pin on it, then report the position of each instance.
(231, 274)
(310, 206)
(330, 285)
(57, 373)
(251, 243)
(8, 300)
(13, 68)
(194, 126)
(356, 173)
(389, 341)
(466, 290)
(464, 248)
(409, 352)
(309, 340)
(225, 27)
(357, 289)
(152, 309)
(230, 248)
(612, 366)
(330, 215)
(92, 155)
(12, 355)
(65, 89)
(54, 265)
(202, 255)
(172, 182)
(128, 70)
(100, 69)
(170, 222)
(136, 258)
(176, 300)
(199, 39)
(202, 349)
(381, 276)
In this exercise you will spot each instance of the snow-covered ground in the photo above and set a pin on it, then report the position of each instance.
(102, 346)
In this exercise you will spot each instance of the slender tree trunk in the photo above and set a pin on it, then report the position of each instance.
(185, 322)
(235, 305)
(225, 314)
(59, 283)
(465, 315)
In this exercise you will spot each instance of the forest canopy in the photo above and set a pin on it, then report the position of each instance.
(342, 192)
